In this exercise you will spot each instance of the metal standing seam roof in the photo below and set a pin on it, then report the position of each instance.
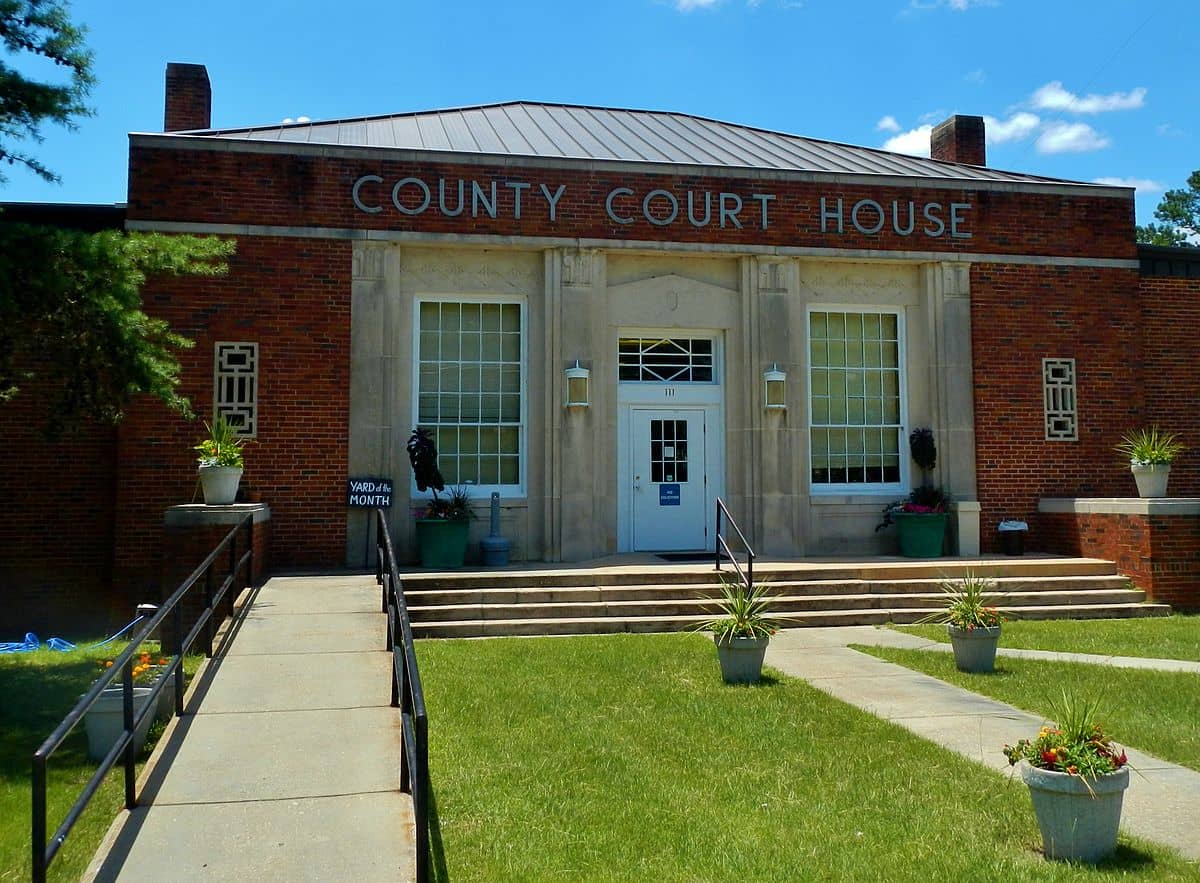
(569, 131)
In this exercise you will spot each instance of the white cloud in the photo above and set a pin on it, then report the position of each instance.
(976, 76)
(888, 124)
(1168, 130)
(1058, 137)
(1053, 96)
(1143, 184)
(914, 142)
(689, 5)
(1017, 127)
(956, 5)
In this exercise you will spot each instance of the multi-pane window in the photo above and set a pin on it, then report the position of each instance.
(235, 386)
(855, 380)
(661, 360)
(1058, 384)
(668, 451)
(469, 389)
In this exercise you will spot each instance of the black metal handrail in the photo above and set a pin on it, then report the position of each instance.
(407, 693)
(125, 747)
(747, 575)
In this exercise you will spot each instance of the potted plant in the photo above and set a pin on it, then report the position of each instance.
(1150, 452)
(105, 720)
(973, 624)
(920, 518)
(220, 462)
(1077, 779)
(742, 631)
(442, 526)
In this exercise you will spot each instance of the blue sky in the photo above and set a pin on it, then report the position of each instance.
(1096, 91)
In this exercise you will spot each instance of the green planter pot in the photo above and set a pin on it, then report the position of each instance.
(442, 541)
(974, 649)
(1079, 818)
(921, 533)
(741, 659)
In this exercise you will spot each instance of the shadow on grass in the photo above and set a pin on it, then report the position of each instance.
(438, 871)
(36, 697)
(1126, 858)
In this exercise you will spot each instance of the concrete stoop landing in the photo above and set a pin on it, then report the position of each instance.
(644, 594)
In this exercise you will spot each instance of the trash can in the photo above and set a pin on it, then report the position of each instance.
(1012, 537)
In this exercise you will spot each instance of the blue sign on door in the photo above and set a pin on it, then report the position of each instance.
(668, 495)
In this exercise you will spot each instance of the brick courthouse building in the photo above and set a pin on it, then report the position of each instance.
(759, 316)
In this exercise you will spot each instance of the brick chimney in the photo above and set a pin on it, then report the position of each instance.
(959, 139)
(189, 98)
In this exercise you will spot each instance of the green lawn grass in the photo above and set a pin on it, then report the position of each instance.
(1156, 711)
(624, 757)
(1162, 637)
(36, 692)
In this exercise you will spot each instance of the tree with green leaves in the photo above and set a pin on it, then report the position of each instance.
(1179, 212)
(71, 319)
(32, 30)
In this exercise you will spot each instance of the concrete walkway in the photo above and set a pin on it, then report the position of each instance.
(881, 637)
(287, 766)
(1163, 800)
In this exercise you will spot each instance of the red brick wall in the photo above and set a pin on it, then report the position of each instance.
(292, 296)
(257, 188)
(1170, 314)
(1122, 539)
(1021, 314)
(56, 534)
(1160, 553)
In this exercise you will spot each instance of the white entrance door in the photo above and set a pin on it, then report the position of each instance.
(668, 480)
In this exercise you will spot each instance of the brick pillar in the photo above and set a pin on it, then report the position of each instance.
(959, 139)
(191, 533)
(189, 98)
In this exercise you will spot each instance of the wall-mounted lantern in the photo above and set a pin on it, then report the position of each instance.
(774, 388)
(578, 380)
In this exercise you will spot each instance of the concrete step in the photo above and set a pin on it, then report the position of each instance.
(625, 608)
(422, 598)
(641, 596)
(473, 628)
(886, 570)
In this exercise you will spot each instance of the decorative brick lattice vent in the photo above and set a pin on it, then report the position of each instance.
(1058, 380)
(235, 386)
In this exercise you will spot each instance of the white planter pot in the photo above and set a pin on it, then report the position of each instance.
(1078, 818)
(1151, 480)
(105, 721)
(220, 484)
(741, 659)
(974, 649)
(166, 699)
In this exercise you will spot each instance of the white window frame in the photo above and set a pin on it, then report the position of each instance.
(881, 489)
(218, 386)
(477, 491)
(714, 338)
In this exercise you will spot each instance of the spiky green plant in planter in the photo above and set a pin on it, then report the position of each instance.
(972, 623)
(742, 630)
(1151, 451)
(1077, 779)
(221, 461)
